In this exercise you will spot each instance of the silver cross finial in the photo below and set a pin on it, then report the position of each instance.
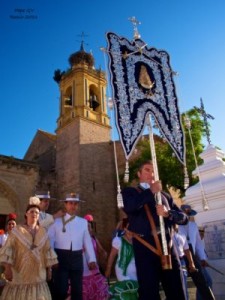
(205, 116)
(82, 35)
(135, 22)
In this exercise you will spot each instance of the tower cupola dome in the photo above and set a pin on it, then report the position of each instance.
(81, 57)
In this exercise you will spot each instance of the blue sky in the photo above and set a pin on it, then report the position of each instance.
(37, 37)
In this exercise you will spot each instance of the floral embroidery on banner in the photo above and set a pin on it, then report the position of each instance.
(142, 83)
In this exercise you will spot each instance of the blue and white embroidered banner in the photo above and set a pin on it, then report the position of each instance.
(142, 83)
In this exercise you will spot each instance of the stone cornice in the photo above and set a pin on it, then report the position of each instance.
(11, 161)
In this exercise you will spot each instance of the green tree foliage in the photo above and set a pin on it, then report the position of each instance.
(171, 171)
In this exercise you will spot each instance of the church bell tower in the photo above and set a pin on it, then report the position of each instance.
(83, 91)
(84, 152)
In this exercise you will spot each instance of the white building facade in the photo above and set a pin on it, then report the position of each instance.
(207, 197)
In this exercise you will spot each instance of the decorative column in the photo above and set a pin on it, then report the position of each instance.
(211, 190)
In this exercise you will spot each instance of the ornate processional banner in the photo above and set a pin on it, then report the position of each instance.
(142, 83)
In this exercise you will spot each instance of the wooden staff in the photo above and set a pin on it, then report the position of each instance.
(166, 258)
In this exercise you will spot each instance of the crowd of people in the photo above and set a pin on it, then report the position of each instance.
(57, 256)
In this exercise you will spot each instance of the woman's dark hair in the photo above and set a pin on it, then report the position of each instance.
(29, 207)
(9, 220)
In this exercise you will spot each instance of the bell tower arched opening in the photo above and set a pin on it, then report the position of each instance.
(68, 97)
(94, 98)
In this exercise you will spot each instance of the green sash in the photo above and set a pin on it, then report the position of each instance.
(126, 255)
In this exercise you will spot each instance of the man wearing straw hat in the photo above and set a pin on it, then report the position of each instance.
(46, 219)
(69, 235)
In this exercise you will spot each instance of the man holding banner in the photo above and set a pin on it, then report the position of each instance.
(142, 84)
(143, 216)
